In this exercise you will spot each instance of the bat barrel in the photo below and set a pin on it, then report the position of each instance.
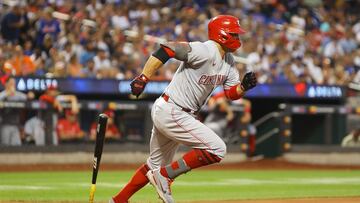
(100, 136)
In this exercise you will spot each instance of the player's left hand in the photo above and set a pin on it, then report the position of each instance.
(138, 84)
(249, 81)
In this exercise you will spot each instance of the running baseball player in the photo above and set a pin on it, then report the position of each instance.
(205, 65)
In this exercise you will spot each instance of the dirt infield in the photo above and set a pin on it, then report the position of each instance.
(246, 165)
(310, 200)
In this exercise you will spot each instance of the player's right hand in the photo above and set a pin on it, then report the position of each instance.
(138, 85)
(249, 81)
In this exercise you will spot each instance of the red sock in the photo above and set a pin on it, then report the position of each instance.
(192, 159)
(138, 181)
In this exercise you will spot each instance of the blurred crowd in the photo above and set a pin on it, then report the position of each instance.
(292, 41)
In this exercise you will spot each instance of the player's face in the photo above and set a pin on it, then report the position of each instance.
(235, 36)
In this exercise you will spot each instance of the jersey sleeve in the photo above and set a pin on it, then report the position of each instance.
(232, 78)
(198, 54)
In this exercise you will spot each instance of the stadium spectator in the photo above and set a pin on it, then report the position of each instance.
(40, 68)
(281, 33)
(19, 64)
(120, 20)
(102, 64)
(11, 118)
(47, 25)
(89, 70)
(28, 45)
(74, 68)
(93, 7)
(11, 25)
(87, 53)
(47, 47)
(68, 128)
(67, 52)
(112, 132)
(348, 43)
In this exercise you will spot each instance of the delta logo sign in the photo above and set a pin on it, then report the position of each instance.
(318, 91)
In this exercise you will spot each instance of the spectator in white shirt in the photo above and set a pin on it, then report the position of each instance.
(120, 20)
(101, 60)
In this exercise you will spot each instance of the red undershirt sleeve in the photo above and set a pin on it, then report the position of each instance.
(232, 94)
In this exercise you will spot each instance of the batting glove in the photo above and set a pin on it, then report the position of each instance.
(249, 81)
(138, 85)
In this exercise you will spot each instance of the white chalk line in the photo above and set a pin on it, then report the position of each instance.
(24, 187)
(220, 182)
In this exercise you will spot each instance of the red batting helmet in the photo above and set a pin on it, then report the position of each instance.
(221, 29)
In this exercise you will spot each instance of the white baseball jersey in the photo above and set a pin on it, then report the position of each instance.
(190, 87)
(195, 79)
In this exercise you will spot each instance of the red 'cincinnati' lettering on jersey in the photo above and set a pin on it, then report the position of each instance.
(212, 79)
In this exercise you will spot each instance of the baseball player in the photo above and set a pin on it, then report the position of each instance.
(205, 65)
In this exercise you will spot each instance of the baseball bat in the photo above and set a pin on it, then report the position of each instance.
(100, 135)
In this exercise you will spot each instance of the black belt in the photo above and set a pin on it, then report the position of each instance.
(166, 98)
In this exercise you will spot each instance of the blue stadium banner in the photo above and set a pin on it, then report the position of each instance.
(112, 86)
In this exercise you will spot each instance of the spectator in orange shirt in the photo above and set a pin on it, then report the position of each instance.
(68, 128)
(19, 64)
(112, 131)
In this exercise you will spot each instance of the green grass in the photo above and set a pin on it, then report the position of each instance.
(196, 185)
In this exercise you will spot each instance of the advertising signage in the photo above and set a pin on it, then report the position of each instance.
(155, 88)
